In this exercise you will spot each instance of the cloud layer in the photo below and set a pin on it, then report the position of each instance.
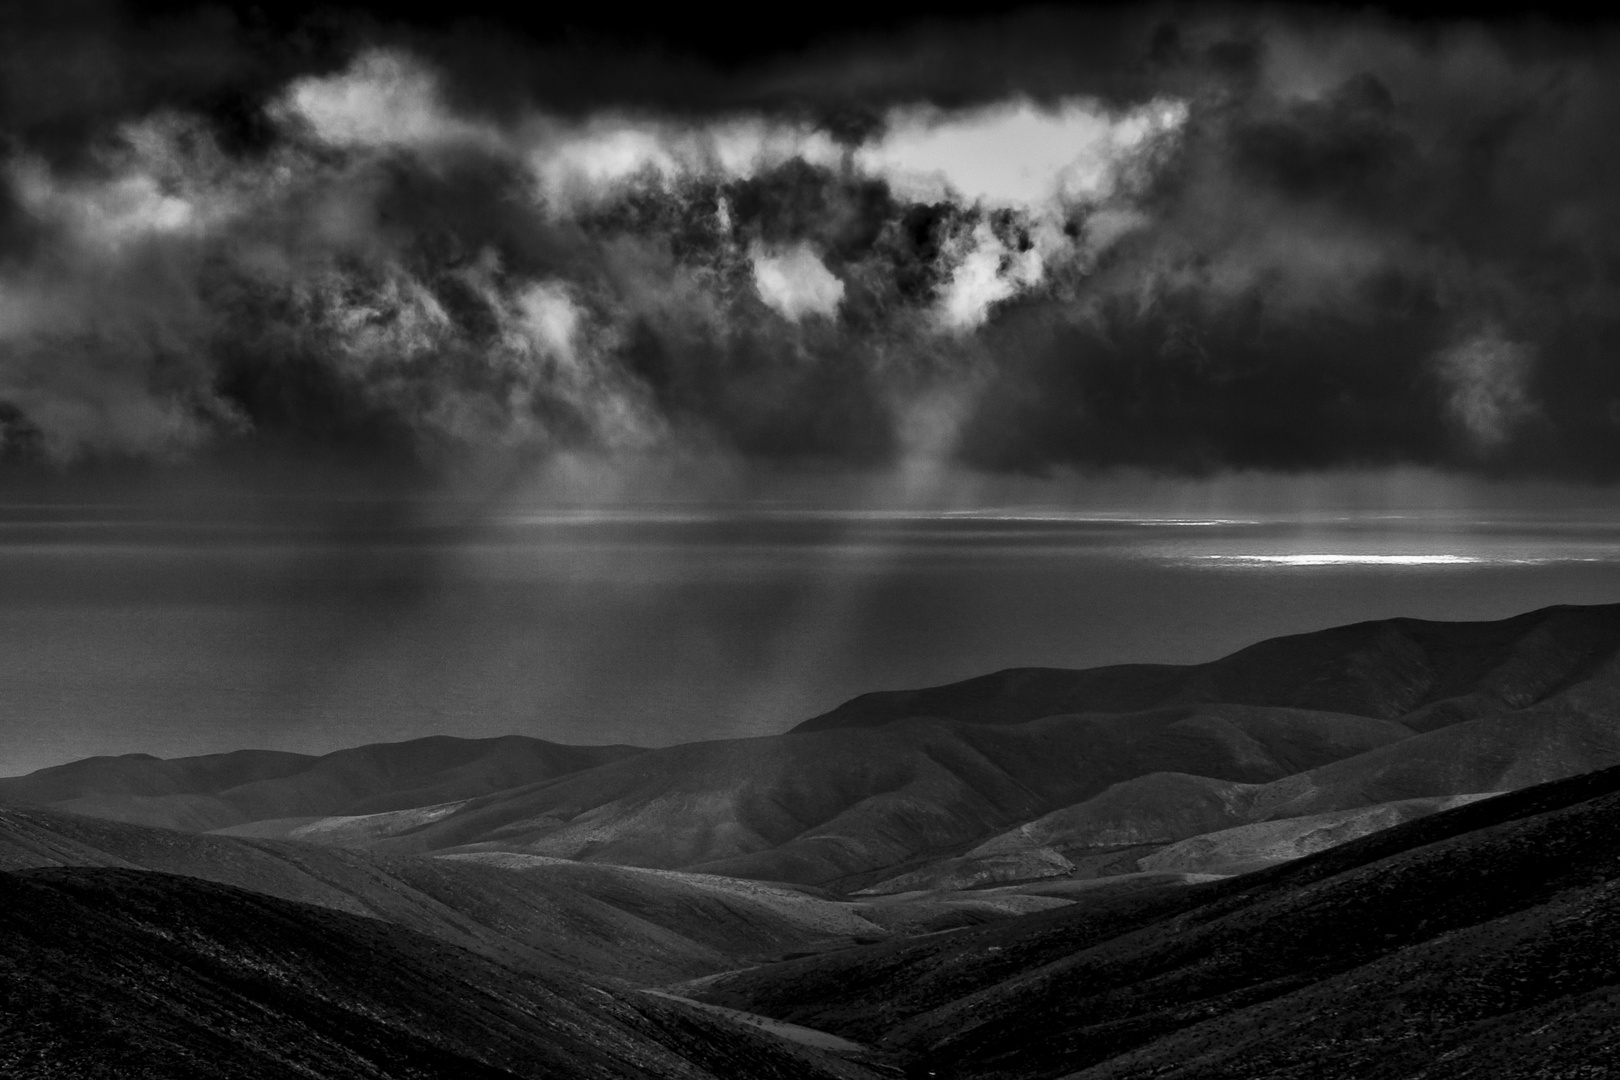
(1246, 240)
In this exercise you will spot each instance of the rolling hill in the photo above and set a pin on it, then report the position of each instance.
(1128, 826)
(113, 972)
(1423, 672)
(1392, 854)
(1479, 941)
(1017, 775)
(602, 922)
(610, 925)
(829, 806)
(220, 790)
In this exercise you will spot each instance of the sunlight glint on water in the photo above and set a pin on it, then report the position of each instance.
(673, 624)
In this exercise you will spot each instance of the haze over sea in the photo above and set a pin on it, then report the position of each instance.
(131, 631)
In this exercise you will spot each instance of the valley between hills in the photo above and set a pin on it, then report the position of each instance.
(1379, 850)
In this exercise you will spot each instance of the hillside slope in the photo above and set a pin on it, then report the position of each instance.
(1425, 673)
(605, 923)
(1128, 826)
(1478, 941)
(219, 790)
(830, 806)
(108, 972)
(850, 808)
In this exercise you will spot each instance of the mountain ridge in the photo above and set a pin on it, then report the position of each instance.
(876, 792)
(1332, 670)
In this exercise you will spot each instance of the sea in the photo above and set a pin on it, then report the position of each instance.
(132, 633)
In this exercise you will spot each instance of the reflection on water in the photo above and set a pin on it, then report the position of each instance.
(1352, 558)
(119, 633)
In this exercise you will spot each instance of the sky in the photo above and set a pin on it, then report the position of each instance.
(1186, 240)
(332, 276)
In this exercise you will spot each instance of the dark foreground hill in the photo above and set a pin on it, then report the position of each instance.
(1483, 941)
(604, 923)
(126, 973)
(610, 925)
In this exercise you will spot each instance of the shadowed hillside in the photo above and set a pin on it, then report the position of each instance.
(849, 808)
(1476, 942)
(1427, 674)
(608, 924)
(604, 922)
(825, 806)
(1126, 827)
(107, 972)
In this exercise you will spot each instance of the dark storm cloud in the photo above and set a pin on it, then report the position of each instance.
(1185, 241)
